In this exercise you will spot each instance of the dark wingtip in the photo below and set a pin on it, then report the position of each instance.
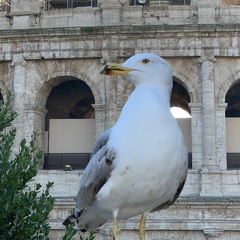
(69, 220)
(66, 222)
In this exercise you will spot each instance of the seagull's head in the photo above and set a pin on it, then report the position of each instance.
(143, 68)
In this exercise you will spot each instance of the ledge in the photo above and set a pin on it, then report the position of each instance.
(193, 214)
(126, 29)
(231, 201)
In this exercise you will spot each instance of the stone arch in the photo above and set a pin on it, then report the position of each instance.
(186, 82)
(186, 70)
(70, 99)
(180, 92)
(69, 102)
(224, 88)
(52, 80)
(47, 81)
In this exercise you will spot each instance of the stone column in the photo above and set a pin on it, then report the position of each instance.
(221, 149)
(196, 129)
(19, 75)
(208, 112)
(110, 92)
(35, 118)
(211, 175)
(111, 99)
(100, 119)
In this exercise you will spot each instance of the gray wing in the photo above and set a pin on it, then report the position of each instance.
(101, 141)
(96, 173)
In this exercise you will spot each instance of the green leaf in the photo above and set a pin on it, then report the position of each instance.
(23, 214)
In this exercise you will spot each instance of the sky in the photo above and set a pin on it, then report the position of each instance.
(179, 113)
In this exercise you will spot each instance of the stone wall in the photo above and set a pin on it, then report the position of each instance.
(200, 41)
(29, 14)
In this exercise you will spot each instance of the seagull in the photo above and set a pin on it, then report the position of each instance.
(139, 165)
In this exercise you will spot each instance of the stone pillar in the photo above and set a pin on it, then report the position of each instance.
(221, 149)
(100, 119)
(111, 99)
(19, 75)
(211, 175)
(212, 233)
(196, 129)
(208, 112)
(35, 118)
(110, 89)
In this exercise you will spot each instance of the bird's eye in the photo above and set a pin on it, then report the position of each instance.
(145, 61)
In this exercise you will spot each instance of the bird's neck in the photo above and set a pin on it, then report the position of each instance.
(147, 99)
(162, 93)
(144, 107)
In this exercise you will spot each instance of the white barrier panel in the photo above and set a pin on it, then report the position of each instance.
(233, 135)
(71, 135)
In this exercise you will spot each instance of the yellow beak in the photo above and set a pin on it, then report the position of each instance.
(115, 69)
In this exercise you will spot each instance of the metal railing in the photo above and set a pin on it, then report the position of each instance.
(63, 4)
(180, 2)
(159, 2)
(58, 161)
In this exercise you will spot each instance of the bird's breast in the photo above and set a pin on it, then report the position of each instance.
(148, 146)
(145, 128)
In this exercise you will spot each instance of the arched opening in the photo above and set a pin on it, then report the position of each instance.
(69, 125)
(232, 98)
(180, 97)
(181, 111)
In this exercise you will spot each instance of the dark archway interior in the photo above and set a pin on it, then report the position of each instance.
(70, 99)
(233, 111)
(180, 97)
(233, 100)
